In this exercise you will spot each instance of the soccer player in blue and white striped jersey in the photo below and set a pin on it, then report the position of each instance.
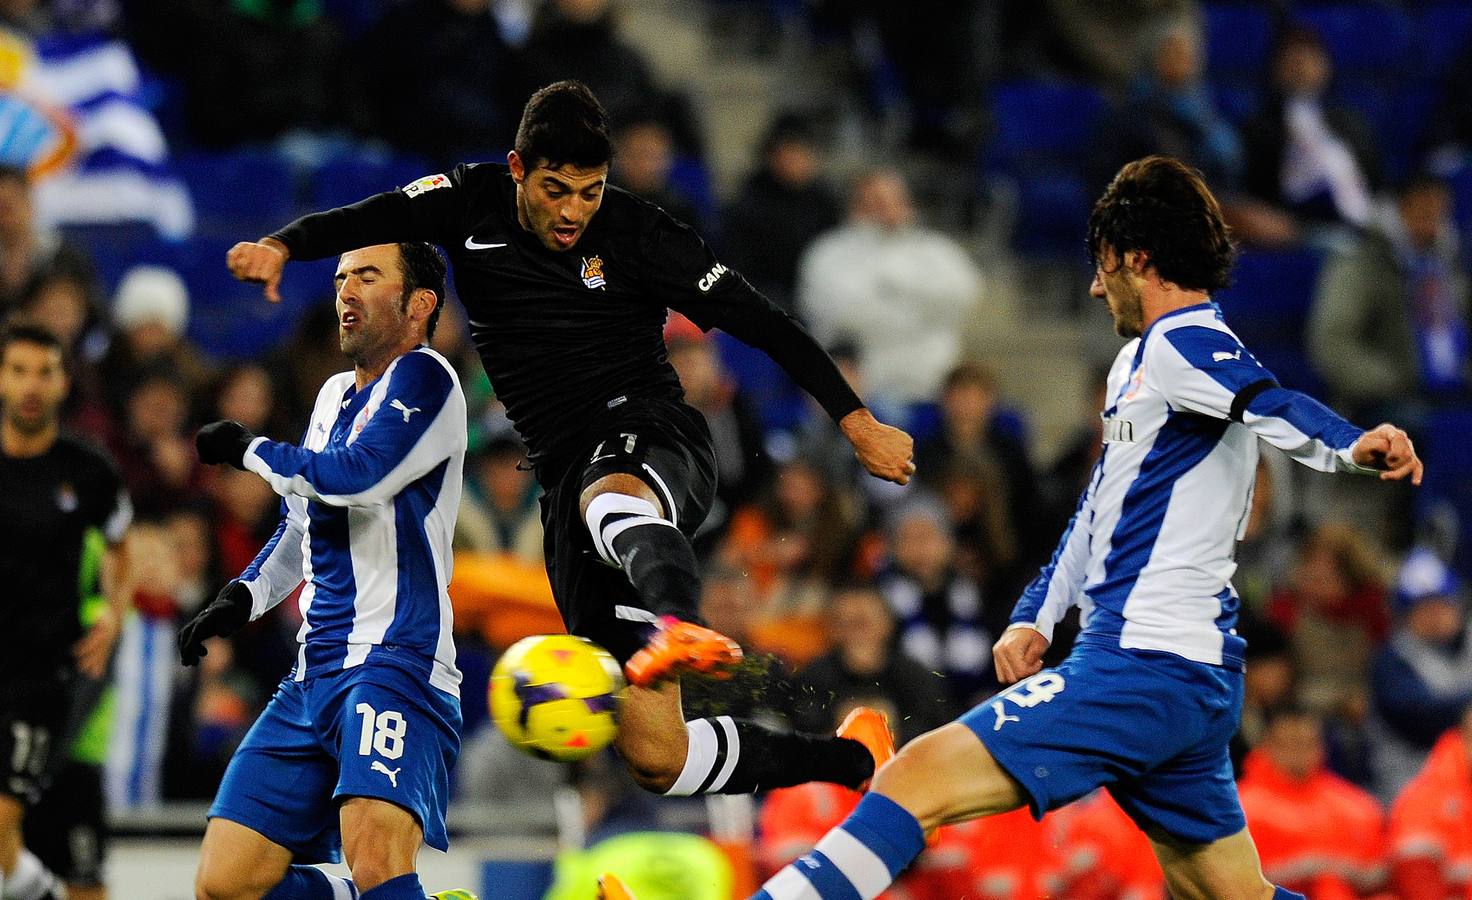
(1152, 692)
(354, 750)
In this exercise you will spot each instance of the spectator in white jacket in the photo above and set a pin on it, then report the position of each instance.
(898, 290)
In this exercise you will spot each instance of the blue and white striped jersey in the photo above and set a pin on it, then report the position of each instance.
(1149, 555)
(370, 502)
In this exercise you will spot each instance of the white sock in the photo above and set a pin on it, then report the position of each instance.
(29, 880)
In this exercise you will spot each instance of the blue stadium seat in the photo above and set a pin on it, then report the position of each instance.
(231, 319)
(1362, 37)
(239, 192)
(1441, 33)
(1040, 144)
(1446, 449)
(690, 178)
(349, 178)
(1268, 305)
(1237, 98)
(1461, 181)
(117, 248)
(1239, 38)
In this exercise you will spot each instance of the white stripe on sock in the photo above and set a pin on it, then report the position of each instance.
(614, 529)
(607, 504)
(700, 755)
(733, 753)
(859, 864)
(633, 614)
(789, 884)
(342, 889)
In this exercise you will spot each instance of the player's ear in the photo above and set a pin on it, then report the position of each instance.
(422, 304)
(518, 168)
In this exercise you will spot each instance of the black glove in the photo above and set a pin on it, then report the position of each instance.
(224, 616)
(223, 442)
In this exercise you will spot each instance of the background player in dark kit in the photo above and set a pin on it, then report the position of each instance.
(567, 282)
(53, 491)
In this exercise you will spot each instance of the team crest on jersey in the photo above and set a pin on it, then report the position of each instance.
(592, 274)
(1135, 382)
(427, 183)
(66, 498)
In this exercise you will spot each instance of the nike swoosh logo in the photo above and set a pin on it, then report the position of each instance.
(470, 244)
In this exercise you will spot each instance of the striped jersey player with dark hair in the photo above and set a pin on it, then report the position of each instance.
(1152, 692)
(352, 756)
(567, 282)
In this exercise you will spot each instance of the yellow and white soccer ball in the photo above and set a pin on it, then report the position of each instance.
(556, 696)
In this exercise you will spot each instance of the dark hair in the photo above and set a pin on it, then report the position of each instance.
(1288, 709)
(30, 334)
(424, 269)
(1161, 206)
(971, 373)
(564, 124)
(1421, 180)
(11, 172)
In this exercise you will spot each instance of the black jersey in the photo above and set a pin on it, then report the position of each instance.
(47, 504)
(565, 335)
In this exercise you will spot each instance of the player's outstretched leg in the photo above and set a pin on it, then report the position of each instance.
(941, 777)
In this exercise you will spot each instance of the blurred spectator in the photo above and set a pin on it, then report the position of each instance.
(1315, 832)
(782, 206)
(150, 311)
(1333, 609)
(972, 430)
(1306, 155)
(942, 614)
(498, 511)
(986, 546)
(580, 39)
(741, 457)
(760, 688)
(1169, 110)
(866, 666)
(1422, 681)
(29, 251)
(1104, 854)
(1389, 322)
(470, 87)
(252, 71)
(1431, 823)
(1266, 549)
(155, 456)
(310, 358)
(1269, 681)
(801, 538)
(899, 290)
(246, 393)
(1105, 43)
(1064, 482)
(61, 301)
(1448, 138)
(643, 158)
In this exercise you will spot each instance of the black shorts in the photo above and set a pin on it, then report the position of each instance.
(34, 714)
(665, 444)
(66, 830)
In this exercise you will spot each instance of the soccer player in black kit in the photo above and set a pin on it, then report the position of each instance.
(567, 281)
(53, 491)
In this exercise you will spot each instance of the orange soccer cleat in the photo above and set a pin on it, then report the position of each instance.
(610, 888)
(869, 727)
(682, 647)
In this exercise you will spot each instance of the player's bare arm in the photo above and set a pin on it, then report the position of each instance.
(887, 452)
(259, 261)
(1390, 450)
(1019, 653)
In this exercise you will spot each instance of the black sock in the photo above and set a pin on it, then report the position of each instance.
(736, 756)
(660, 564)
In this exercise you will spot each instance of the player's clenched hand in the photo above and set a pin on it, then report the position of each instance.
(1019, 654)
(260, 261)
(223, 443)
(887, 452)
(92, 650)
(222, 617)
(1389, 449)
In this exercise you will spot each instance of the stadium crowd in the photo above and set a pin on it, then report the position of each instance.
(1345, 170)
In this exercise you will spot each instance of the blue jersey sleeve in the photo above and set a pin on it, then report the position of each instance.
(1060, 583)
(277, 569)
(1207, 371)
(418, 423)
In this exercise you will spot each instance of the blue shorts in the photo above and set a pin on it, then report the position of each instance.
(1152, 727)
(375, 730)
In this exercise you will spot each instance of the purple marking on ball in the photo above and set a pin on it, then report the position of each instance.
(529, 695)
(603, 703)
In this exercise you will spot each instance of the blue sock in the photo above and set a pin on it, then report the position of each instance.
(855, 861)
(405, 887)
(311, 883)
(1285, 894)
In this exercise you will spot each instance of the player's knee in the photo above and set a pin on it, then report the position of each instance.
(212, 884)
(654, 763)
